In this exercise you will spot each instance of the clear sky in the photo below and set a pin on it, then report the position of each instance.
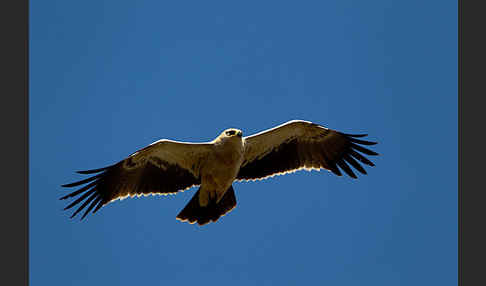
(110, 77)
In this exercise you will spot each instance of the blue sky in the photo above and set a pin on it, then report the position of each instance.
(110, 77)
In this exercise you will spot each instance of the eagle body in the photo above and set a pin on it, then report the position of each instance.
(167, 167)
(221, 167)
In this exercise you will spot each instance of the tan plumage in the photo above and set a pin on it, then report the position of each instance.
(167, 167)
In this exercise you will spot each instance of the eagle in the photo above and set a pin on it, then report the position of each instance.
(168, 167)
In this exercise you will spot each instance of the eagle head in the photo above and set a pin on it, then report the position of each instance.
(232, 132)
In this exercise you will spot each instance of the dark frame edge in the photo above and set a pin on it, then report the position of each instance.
(471, 197)
(14, 120)
(27, 137)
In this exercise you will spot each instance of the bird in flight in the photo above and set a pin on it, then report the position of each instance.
(167, 167)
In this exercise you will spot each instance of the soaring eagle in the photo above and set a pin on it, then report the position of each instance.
(167, 167)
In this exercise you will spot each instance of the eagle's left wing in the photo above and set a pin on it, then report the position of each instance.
(299, 145)
(163, 167)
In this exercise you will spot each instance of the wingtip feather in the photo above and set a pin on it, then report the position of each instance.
(98, 198)
(363, 150)
(84, 181)
(354, 135)
(100, 204)
(92, 171)
(363, 142)
(355, 164)
(346, 169)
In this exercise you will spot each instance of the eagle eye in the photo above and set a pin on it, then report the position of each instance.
(230, 133)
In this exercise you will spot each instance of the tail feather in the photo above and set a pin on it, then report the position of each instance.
(193, 212)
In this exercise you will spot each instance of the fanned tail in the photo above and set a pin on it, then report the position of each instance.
(193, 212)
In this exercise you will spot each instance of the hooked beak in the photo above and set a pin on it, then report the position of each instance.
(239, 133)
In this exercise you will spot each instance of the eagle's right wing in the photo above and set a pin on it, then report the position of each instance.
(163, 167)
(297, 145)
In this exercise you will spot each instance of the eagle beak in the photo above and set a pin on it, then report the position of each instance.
(239, 134)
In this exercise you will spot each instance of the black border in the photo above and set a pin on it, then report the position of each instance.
(471, 195)
(14, 212)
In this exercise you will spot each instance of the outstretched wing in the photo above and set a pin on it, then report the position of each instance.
(299, 145)
(164, 167)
